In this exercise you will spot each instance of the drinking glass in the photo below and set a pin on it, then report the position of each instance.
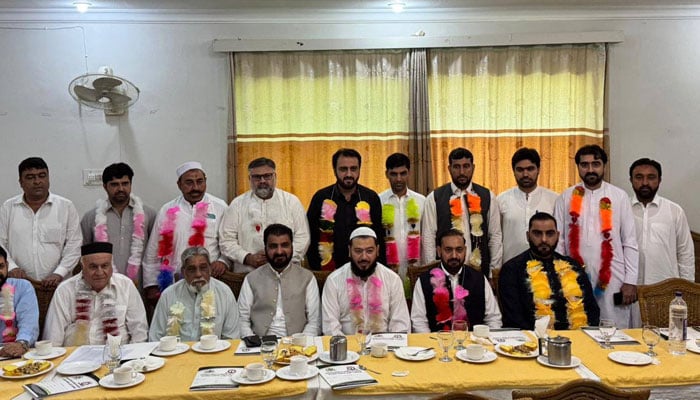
(268, 350)
(111, 356)
(607, 330)
(651, 336)
(362, 335)
(460, 328)
(445, 338)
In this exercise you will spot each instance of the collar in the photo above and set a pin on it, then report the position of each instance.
(521, 193)
(181, 202)
(447, 273)
(279, 274)
(191, 290)
(655, 201)
(111, 285)
(585, 188)
(49, 200)
(456, 190)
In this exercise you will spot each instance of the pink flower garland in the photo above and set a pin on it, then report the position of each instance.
(166, 248)
(374, 302)
(8, 315)
(441, 298)
(199, 224)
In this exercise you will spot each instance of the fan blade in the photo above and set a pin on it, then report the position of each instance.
(87, 94)
(104, 83)
(117, 98)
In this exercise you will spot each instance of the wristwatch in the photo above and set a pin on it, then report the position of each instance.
(24, 343)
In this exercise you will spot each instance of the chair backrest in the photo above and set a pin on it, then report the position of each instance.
(43, 298)
(414, 273)
(582, 389)
(654, 301)
(321, 279)
(234, 280)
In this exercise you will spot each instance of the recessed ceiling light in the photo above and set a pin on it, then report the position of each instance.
(397, 6)
(82, 6)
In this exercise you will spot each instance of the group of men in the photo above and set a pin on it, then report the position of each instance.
(566, 255)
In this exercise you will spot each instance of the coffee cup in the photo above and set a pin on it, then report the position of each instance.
(297, 365)
(124, 375)
(168, 343)
(299, 339)
(208, 342)
(475, 351)
(481, 331)
(43, 347)
(379, 350)
(255, 371)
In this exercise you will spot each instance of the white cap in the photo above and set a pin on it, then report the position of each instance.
(184, 167)
(362, 231)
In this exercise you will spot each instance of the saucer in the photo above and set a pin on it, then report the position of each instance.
(241, 377)
(544, 360)
(311, 371)
(179, 349)
(152, 363)
(54, 353)
(404, 353)
(78, 367)
(108, 382)
(629, 358)
(350, 358)
(488, 357)
(221, 345)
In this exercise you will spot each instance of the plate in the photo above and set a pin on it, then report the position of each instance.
(311, 371)
(350, 358)
(313, 357)
(108, 382)
(241, 378)
(533, 354)
(152, 363)
(78, 367)
(488, 357)
(179, 349)
(630, 358)
(403, 353)
(692, 346)
(21, 363)
(221, 345)
(55, 353)
(544, 360)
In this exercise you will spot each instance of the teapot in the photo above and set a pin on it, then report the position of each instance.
(558, 350)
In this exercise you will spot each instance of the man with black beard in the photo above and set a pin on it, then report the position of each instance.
(597, 230)
(541, 282)
(280, 298)
(19, 312)
(337, 209)
(452, 291)
(364, 293)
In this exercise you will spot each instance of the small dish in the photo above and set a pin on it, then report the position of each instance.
(489, 356)
(311, 371)
(312, 357)
(544, 360)
(21, 363)
(532, 354)
(179, 349)
(78, 367)
(630, 358)
(221, 345)
(349, 359)
(108, 382)
(55, 353)
(151, 364)
(406, 353)
(240, 377)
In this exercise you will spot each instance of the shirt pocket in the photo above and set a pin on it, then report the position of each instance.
(52, 234)
(212, 230)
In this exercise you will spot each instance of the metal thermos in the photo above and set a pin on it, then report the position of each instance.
(559, 350)
(339, 348)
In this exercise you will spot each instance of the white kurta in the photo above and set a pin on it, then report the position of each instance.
(401, 226)
(517, 207)
(337, 316)
(245, 220)
(131, 315)
(624, 265)
(44, 242)
(183, 231)
(429, 227)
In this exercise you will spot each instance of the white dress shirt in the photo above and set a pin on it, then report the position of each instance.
(624, 265)
(183, 231)
(337, 316)
(429, 227)
(44, 242)
(131, 315)
(419, 317)
(517, 207)
(245, 220)
(401, 226)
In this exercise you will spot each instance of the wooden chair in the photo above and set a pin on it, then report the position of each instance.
(43, 298)
(655, 299)
(413, 274)
(321, 279)
(583, 389)
(234, 280)
(460, 396)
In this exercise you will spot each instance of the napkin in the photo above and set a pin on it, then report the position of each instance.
(113, 343)
(541, 326)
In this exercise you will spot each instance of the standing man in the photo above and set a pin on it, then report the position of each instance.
(335, 211)
(471, 209)
(19, 312)
(40, 230)
(520, 203)
(122, 219)
(252, 212)
(597, 230)
(401, 210)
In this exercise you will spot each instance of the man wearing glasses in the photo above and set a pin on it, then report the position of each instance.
(249, 214)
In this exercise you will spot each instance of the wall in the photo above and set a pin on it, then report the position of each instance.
(183, 110)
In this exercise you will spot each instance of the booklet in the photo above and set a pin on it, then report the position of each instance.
(393, 340)
(619, 337)
(61, 385)
(342, 377)
(214, 378)
(508, 336)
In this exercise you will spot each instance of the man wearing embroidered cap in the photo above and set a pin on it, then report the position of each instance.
(94, 303)
(364, 292)
(191, 219)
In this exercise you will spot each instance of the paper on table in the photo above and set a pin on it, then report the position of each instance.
(94, 352)
(214, 378)
(340, 377)
(507, 336)
(243, 349)
(61, 385)
(619, 337)
(391, 339)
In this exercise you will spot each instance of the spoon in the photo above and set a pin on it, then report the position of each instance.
(362, 367)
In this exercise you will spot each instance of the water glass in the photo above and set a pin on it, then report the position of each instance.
(362, 335)
(445, 338)
(460, 329)
(607, 330)
(268, 350)
(651, 336)
(111, 356)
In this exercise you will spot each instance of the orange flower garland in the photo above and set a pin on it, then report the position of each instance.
(475, 222)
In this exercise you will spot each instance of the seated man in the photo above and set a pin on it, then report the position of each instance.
(94, 303)
(280, 298)
(563, 290)
(196, 305)
(364, 292)
(19, 312)
(453, 291)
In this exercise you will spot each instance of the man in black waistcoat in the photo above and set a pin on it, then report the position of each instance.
(452, 291)
(467, 207)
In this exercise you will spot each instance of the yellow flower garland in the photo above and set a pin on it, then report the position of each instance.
(542, 292)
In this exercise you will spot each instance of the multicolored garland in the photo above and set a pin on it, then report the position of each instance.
(413, 240)
(83, 307)
(475, 222)
(325, 242)
(362, 212)
(374, 302)
(571, 291)
(441, 298)
(392, 248)
(8, 315)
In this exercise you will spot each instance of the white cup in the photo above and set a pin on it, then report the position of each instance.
(297, 365)
(481, 331)
(475, 351)
(255, 371)
(168, 343)
(208, 342)
(379, 350)
(43, 347)
(299, 339)
(124, 375)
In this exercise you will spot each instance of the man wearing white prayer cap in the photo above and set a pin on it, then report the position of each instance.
(191, 219)
(364, 293)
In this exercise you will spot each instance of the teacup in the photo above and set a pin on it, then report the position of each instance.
(124, 375)
(475, 351)
(255, 371)
(208, 342)
(481, 331)
(298, 366)
(168, 343)
(379, 350)
(299, 339)
(43, 347)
